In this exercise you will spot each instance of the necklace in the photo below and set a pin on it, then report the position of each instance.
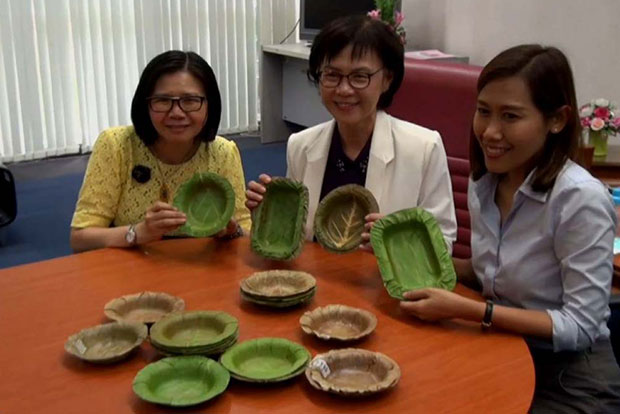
(164, 190)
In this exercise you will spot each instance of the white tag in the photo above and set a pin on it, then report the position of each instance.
(322, 366)
(80, 346)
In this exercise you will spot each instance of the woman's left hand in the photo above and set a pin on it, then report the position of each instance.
(433, 304)
(231, 231)
(370, 221)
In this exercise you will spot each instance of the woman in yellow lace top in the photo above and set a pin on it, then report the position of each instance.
(134, 171)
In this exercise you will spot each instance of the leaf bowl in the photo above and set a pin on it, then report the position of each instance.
(411, 252)
(144, 307)
(340, 217)
(208, 201)
(181, 381)
(353, 372)
(106, 343)
(271, 284)
(184, 331)
(265, 359)
(278, 223)
(338, 322)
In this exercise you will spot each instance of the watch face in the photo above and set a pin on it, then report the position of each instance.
(130, 236)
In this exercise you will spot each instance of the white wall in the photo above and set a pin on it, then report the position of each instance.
(587, 31)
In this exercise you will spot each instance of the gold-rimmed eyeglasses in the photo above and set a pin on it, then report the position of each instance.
(165, 103)
(357, 80)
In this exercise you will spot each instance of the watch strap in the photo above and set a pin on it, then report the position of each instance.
(487, 320)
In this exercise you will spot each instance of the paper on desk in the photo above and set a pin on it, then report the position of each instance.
(428, 54)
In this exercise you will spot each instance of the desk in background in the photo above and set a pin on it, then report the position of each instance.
(607, 169)
(449, 367)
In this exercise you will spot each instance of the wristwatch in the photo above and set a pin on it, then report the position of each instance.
(487, 320)
(131, 237)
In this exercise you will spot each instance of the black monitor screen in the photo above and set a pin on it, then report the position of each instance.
(317, 13)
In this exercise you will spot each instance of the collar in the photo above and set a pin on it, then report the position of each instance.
(487, 184)
(381, 148)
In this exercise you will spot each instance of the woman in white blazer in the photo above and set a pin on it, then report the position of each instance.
(358, 65)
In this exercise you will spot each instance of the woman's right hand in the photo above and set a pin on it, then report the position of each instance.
(256, 190)
(161, 218)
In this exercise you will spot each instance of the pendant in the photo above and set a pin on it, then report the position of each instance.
(163, 193)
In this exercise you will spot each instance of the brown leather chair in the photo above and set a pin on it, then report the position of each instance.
(442, 96)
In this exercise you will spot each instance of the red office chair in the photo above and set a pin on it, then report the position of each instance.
(442, 96)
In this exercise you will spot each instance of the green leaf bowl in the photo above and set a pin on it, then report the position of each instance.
(411, 252)
(278, 223)
(208, 201)
(265, 359)
(181, 381)
(193, 329)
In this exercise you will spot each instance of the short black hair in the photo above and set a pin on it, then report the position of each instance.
(364, 35)
(549, 78)
(166, 63)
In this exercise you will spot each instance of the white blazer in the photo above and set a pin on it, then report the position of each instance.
(407, 167)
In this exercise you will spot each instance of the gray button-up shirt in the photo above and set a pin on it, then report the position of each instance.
(553, 252)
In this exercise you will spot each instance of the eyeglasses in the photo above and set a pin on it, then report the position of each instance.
(165, 103)
(357, 80)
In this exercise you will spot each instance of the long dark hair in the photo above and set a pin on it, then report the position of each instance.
(171, 62)
(548, 75)
(364, 35)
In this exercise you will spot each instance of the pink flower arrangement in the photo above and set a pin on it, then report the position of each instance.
(386, 12)
(598, 115)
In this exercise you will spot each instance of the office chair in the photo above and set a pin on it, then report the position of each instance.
(8, 198)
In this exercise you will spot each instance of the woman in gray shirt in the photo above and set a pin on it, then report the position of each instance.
(542, 233)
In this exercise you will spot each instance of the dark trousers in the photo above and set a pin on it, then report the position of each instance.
(576, 382)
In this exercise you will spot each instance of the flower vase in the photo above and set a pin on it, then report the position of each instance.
(598, 139)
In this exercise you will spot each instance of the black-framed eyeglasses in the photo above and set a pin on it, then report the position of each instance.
(165, 103)
(357, 80)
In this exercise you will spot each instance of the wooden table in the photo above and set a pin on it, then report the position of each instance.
(451, 367)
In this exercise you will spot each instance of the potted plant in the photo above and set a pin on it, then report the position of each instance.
(386, 11)
(598, 118)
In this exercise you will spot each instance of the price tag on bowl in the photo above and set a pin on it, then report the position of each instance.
(80, 346)
(322, 366)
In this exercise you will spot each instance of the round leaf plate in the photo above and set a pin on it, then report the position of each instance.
(181, 381)
(265, 359)
(208, 200)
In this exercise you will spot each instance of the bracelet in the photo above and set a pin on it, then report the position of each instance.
(488, 316)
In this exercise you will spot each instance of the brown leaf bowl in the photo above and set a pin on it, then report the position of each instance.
(340, 218)
(278, 283)
(338, 322)
(144, 307)
(106, 343)
(353, 372)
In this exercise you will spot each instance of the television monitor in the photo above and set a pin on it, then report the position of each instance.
(315, 14)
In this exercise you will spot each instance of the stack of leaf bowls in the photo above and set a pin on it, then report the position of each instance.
(195, 333)
(278, 288)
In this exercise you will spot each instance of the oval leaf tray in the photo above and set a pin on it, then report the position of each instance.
(278, 223)
(411, 252)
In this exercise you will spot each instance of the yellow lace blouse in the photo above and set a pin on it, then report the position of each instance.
(111, 197)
